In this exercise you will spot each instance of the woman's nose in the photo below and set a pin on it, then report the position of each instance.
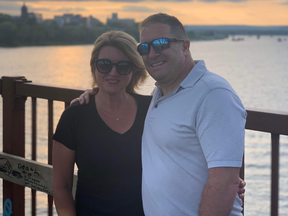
(113, 70)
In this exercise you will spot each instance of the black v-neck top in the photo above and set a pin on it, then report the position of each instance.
(109, 163)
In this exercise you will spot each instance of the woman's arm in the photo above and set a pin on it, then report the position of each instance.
(63, 169)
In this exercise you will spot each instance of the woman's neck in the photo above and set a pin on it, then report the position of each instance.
(112, 101)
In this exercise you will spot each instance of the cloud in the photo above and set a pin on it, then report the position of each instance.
(284, 3)
(173, 0)
(131, 1)
(11, 6)
(103, 0)
(208, 1)
(66, 9)
(141, 9)
(212, 1)
(39, 9)
(137, 9)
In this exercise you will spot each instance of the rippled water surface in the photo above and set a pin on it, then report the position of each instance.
(256, 68)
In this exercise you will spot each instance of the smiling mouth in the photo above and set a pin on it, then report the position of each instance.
(157, 64)
(112, 81)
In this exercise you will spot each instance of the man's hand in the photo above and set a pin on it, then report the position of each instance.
(84, 98)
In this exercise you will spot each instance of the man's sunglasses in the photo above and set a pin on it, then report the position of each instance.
(157, 44)
(105, 66)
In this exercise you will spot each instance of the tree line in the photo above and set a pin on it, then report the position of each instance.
(28, 32)
(17, 32)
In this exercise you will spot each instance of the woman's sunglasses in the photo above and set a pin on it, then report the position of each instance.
(157, 44)
(105, 66)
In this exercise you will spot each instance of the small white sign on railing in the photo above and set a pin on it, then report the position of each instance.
(28, 173)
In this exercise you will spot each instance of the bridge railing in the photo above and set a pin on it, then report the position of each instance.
(18, 172)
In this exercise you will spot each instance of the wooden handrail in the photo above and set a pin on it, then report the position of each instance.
(46, 92)
(267, 121)
(271, 122)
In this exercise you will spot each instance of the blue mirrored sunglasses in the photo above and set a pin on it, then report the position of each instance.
(157, 44)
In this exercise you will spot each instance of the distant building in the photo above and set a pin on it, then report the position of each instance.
(59, 20)
(91, 21)
(37, 16)
(71, 19)
(25, 14)
(115, 19)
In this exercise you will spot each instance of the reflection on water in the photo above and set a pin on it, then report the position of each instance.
(257, 70)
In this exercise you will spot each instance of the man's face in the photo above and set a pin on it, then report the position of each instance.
(165, 65)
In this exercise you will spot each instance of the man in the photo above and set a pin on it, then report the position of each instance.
(193, 137)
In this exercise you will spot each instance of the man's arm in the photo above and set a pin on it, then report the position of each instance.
(220, 191)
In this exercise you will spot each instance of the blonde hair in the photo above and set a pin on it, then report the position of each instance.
(126, 44)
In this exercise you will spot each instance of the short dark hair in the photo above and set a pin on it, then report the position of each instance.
(176, 27)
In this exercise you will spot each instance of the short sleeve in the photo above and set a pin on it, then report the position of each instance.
(66, 128)
(220, 127)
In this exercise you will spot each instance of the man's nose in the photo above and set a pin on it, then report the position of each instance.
(153, 52)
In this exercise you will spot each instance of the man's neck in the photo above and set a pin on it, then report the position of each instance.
(171, 87)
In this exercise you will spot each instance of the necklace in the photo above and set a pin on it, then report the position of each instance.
(109, 115)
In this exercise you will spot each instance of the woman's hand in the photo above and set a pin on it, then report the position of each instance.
(241, 189)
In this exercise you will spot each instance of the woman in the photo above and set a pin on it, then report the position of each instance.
(104, 136)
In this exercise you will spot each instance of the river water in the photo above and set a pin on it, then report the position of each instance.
(256, 68)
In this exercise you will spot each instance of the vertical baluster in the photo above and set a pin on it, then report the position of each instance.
(67, 104)
(50, 145)
(274, 174)
(242, 175)
(13, 142)
(34, 151)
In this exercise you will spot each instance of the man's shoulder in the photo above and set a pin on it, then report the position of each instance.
(214, 81)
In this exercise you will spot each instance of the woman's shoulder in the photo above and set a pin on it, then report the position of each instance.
(77, 108)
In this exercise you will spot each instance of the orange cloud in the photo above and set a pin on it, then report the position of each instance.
(197, 12)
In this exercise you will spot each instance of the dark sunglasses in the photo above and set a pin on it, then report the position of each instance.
(105, 66)
(157, 44)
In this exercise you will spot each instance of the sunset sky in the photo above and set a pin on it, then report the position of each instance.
(189, 12)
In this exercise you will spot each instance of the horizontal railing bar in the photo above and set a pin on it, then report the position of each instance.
(46, 92)
(257, 120)
(275, 123)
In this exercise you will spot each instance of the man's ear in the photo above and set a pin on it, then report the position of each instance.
(186, 47)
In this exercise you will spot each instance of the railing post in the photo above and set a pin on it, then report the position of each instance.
(274, 174)
(50, 146)
(242, 175)
(13, 142)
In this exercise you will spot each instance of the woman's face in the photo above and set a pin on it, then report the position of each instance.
(112, 82)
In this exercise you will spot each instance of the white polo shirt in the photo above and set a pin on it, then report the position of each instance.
(199, 126)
